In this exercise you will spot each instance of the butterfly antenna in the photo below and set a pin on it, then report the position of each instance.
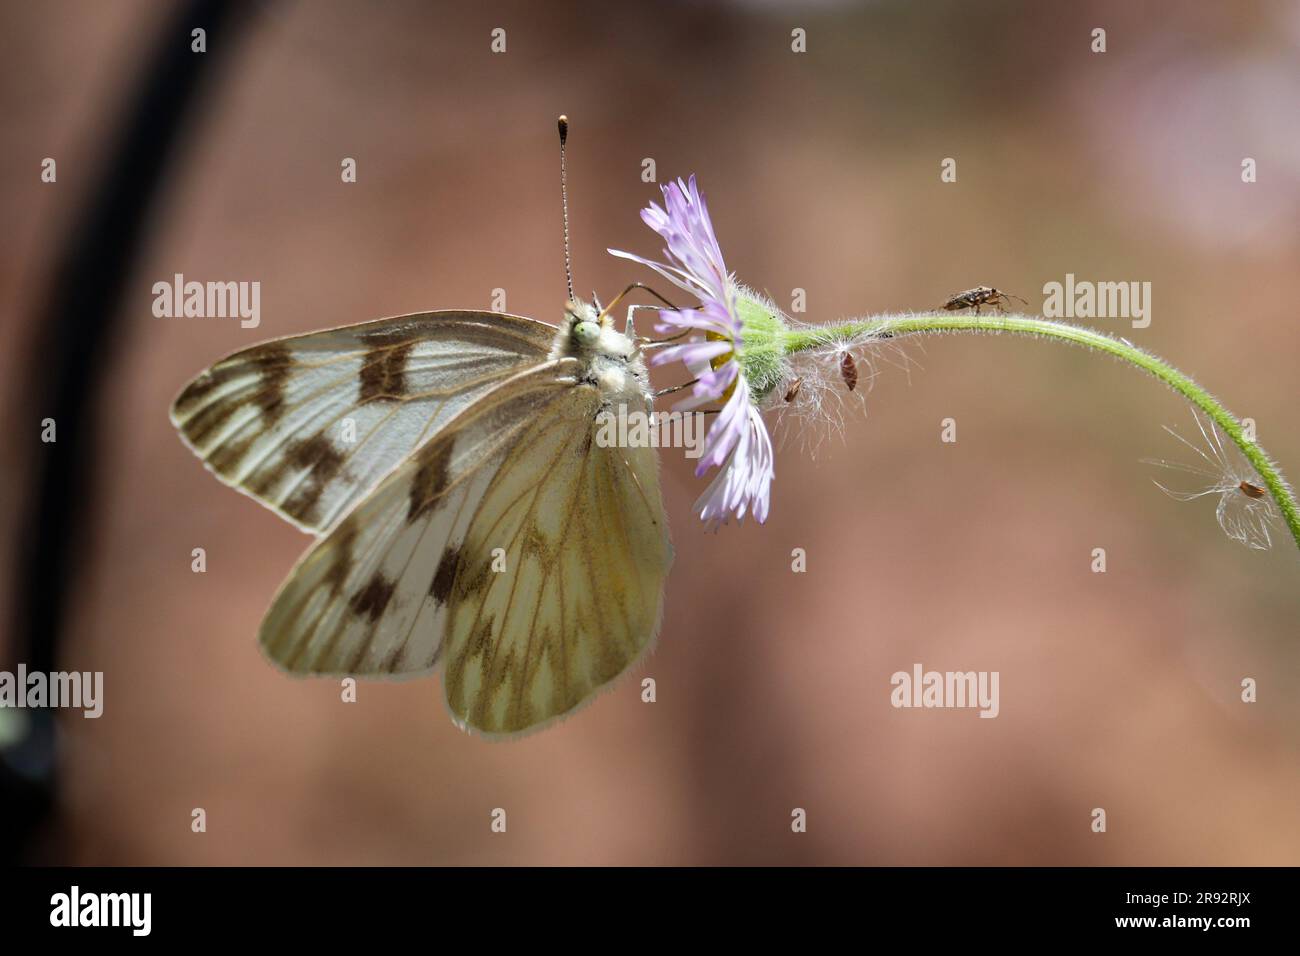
(564, 204)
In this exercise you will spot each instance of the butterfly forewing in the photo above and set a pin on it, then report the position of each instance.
(370, 596)
(309, 424)
(560, 575)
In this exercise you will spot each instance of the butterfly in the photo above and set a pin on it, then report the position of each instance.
(465, 514)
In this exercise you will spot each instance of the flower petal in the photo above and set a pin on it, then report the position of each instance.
(737, 442)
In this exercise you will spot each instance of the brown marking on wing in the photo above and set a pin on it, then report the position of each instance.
(370, 602)
(323, 461)
(208, 422)
(518, 708)
(345, 539)
(501, 669)
(445, 577)
(482, 642)
(383, 372)
(430, 476)
(474, 580)
(533, 542)
(227, 457)
(454, 675)
(272, 362)
(373, 598)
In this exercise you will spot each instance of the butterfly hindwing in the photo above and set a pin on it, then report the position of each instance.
(309, 424)
(560, 575)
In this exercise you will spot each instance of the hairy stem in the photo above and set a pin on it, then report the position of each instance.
(880, 327)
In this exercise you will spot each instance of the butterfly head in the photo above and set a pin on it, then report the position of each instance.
(610, 360)
(584, 324)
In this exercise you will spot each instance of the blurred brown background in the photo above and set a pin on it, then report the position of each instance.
(822, 172)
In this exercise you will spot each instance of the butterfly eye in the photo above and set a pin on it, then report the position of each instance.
(586, 332)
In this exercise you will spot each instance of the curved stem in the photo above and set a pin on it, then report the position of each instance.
(881, 327)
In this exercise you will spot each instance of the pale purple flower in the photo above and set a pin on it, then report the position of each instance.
(737, 441)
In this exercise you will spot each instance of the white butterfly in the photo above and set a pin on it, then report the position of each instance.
(474, 520)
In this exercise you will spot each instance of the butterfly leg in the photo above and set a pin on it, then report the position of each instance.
(647, 344)
(635, 285)
(675, 388)
(630, 330)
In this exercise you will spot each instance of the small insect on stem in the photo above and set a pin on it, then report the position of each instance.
(849, 370)
(1244, 509)
(1251, 491)
(793, 390)
(978, 296)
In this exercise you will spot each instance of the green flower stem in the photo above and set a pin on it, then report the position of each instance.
(805, 339)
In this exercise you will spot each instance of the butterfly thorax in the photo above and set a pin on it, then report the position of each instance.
(610, 360)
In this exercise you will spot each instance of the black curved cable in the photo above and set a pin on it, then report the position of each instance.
(75, 335)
